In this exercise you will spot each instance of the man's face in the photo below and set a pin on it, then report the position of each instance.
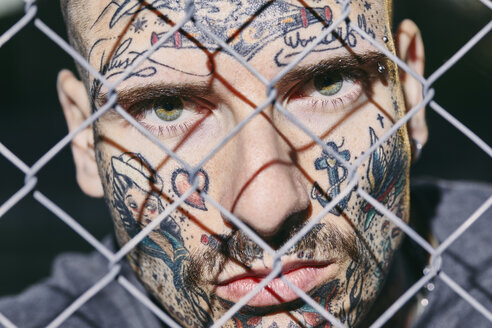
(191, 94)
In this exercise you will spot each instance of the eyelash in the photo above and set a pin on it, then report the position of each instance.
(143, 112)
(334, 103)
(169, 131)
(299, 95)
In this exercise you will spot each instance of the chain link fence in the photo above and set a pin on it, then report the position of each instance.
(433, 271)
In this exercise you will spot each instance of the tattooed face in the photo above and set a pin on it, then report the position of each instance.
(190, 94)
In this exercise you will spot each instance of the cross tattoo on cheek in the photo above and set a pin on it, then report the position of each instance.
(380, 119)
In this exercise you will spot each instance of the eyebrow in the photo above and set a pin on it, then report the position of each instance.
(346, 64)
(136, 94)
(359, 64)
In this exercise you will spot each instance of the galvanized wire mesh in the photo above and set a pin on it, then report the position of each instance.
(30, 172)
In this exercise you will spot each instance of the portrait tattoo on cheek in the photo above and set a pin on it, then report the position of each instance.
(161, 255)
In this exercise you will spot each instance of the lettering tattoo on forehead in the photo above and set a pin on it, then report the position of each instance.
(244, 25)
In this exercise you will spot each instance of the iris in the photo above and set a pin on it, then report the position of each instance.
(168, 109)
(328, 84)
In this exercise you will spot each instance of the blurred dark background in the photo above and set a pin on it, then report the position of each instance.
(31, 122)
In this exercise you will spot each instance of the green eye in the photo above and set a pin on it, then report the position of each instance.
(168, 109)
(328, 85)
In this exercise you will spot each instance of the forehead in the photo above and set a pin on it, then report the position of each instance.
(213, 10)
(268, 34)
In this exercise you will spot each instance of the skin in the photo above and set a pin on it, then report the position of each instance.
(271, 175)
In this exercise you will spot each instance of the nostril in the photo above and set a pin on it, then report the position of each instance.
(291, 225)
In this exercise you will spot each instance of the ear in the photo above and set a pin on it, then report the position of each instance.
(76, 107)
(410, 48)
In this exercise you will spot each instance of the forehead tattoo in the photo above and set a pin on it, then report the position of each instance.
(246, 26)
(254, 19)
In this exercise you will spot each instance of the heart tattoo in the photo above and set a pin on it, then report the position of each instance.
(181, 184)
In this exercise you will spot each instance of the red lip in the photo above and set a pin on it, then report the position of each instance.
(305, 275)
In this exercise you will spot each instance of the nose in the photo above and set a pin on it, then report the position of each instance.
(267, 190)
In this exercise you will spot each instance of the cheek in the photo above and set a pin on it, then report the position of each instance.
(383, 174)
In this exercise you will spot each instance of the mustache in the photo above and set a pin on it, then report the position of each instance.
(324, 242)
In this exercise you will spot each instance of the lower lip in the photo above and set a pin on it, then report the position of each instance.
(277, 291)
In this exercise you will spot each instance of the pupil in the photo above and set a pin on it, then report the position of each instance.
(169, 109)
(328, 85)
(170, 106)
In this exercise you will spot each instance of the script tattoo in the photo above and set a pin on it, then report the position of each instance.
(122, 58)
(233, 24)
(244, 25)
(227, 21)
(136, 197)
(342, 36)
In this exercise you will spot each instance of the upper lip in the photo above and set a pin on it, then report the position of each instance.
(262, 272)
